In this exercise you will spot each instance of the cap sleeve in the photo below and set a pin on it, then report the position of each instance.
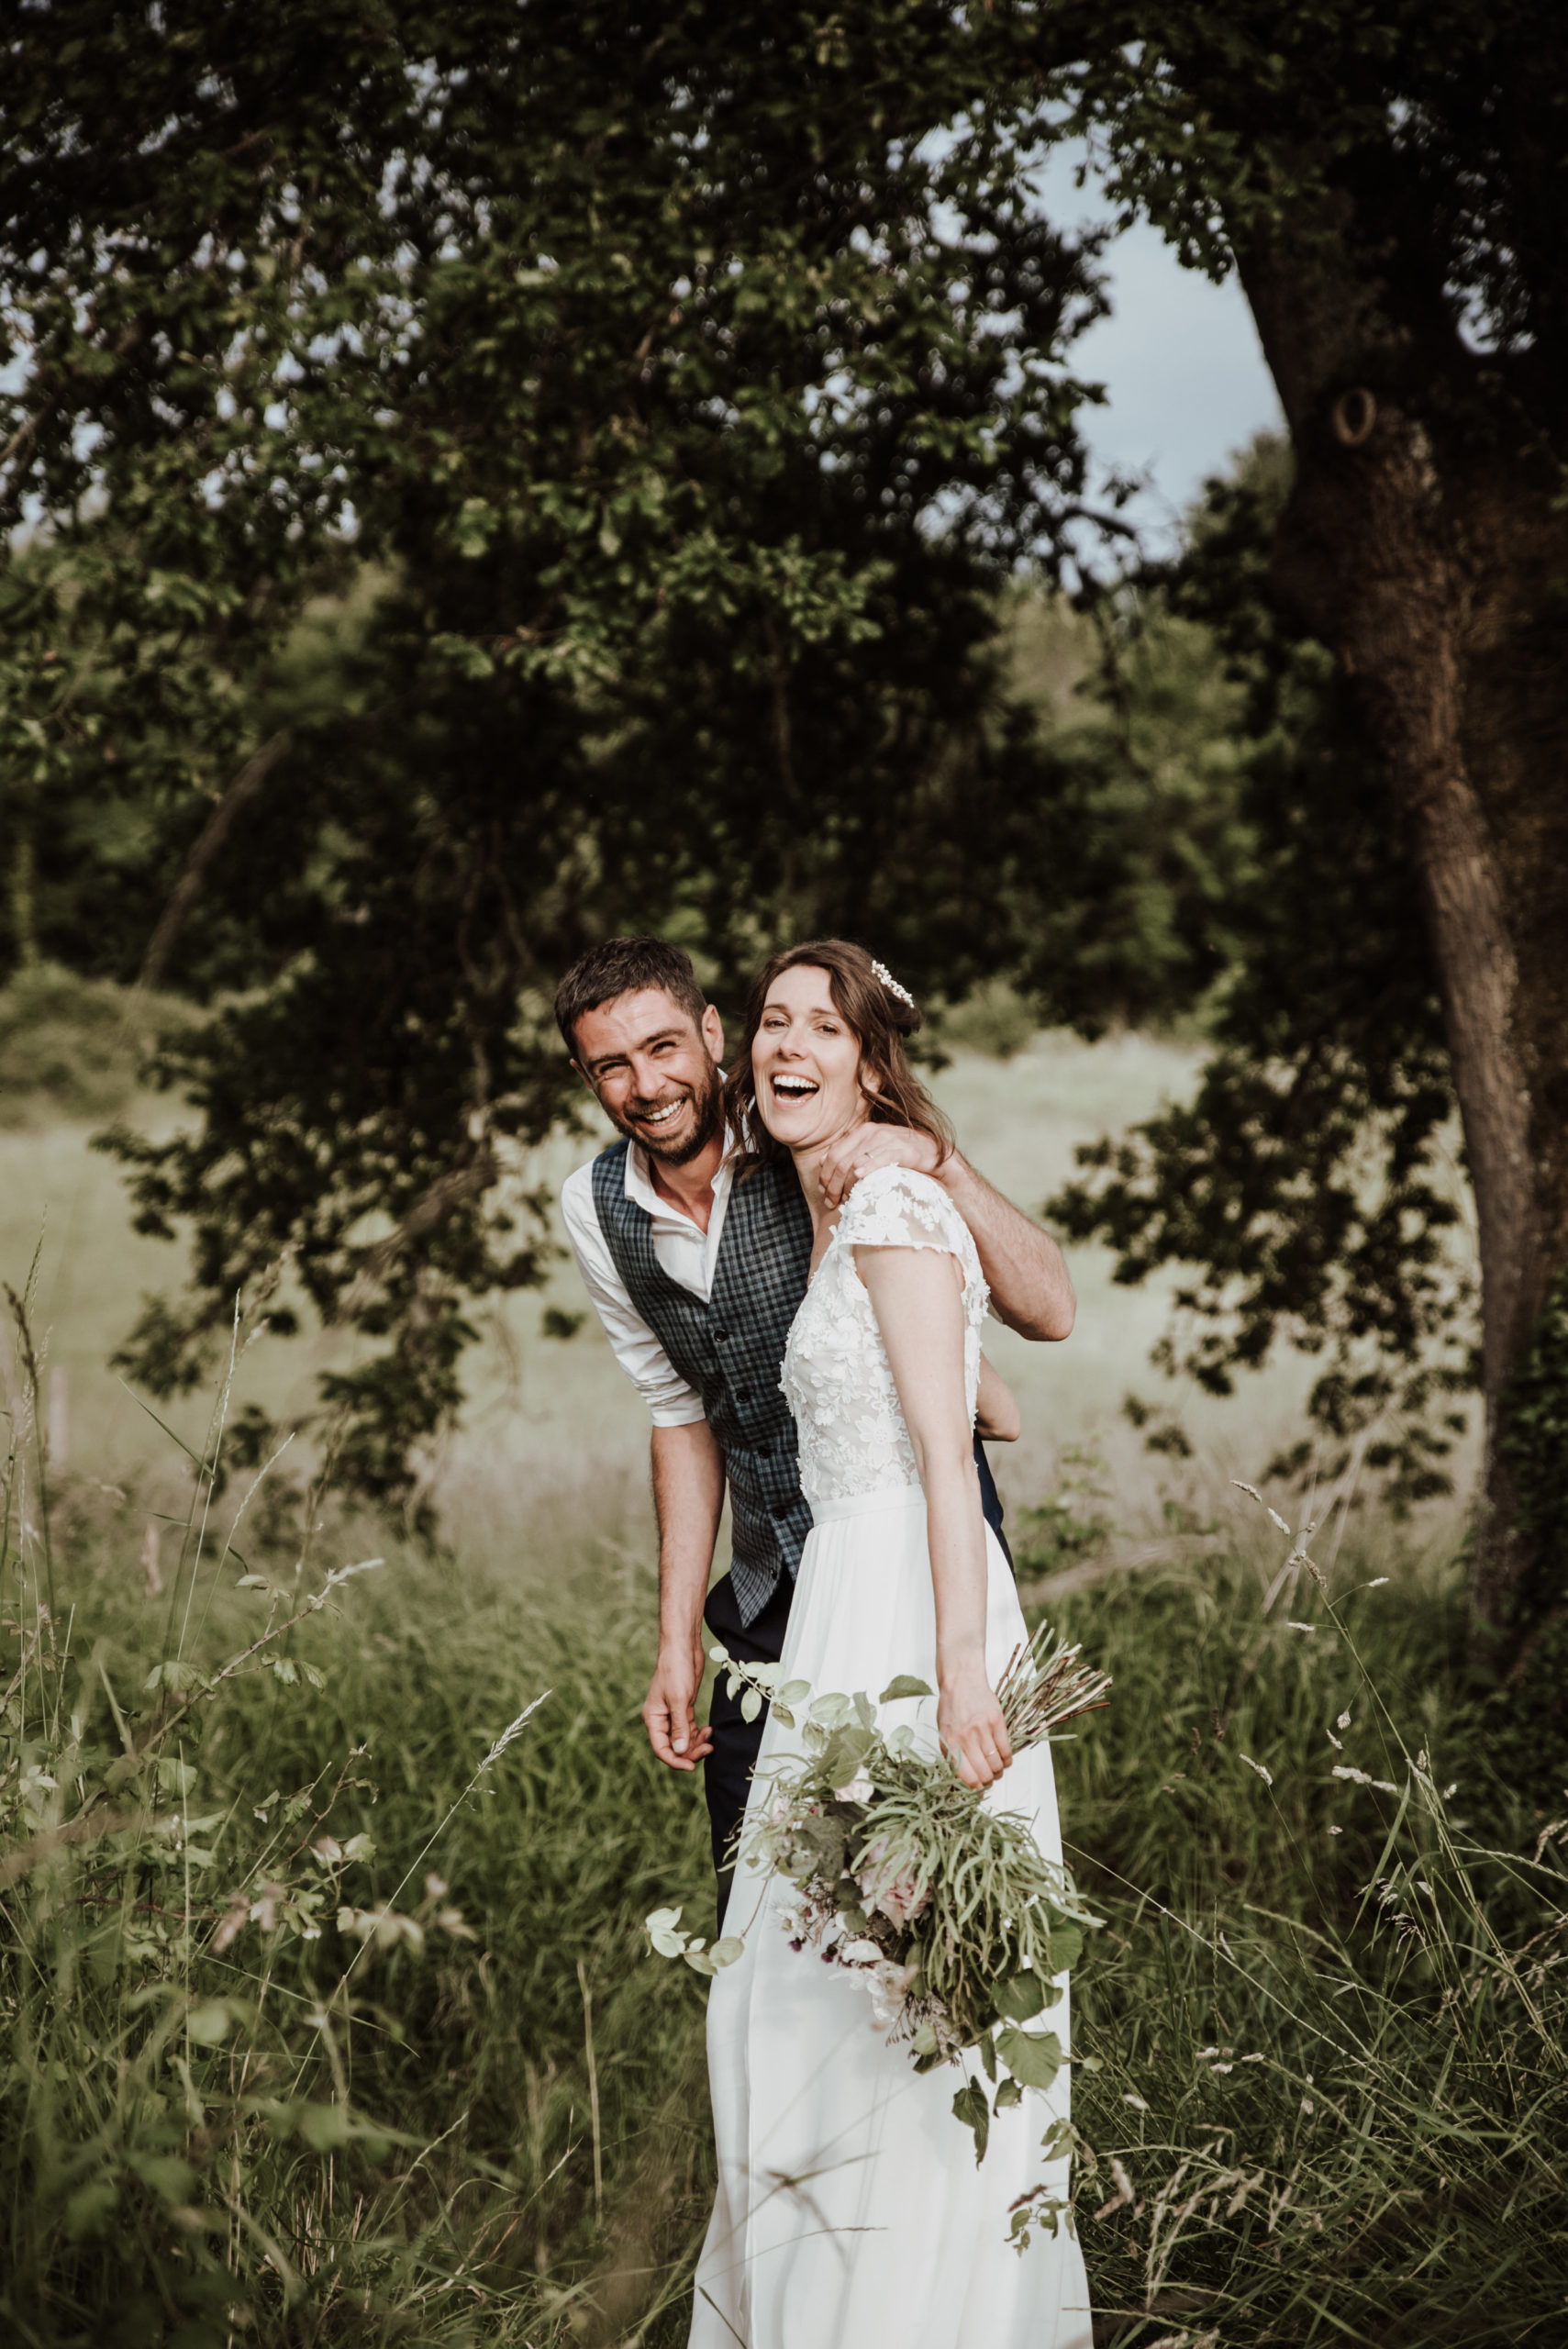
(897, 1207)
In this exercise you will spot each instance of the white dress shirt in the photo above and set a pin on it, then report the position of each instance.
(686, 1253)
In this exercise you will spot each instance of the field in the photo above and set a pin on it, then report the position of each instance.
(330, 2017)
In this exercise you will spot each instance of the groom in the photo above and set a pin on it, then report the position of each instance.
(697, 1285)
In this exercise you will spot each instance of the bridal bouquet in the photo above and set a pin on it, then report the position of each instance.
(949, 1912)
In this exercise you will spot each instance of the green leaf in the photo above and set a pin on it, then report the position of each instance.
(750, 1705)
(970, 2107)
(165, 2174)
(1066, 1948)
(1021, 1999)
(726, 1952)
(794, 1692)
(326, 2128)
(89, 2207)
(987, 2054)
(1008, 2095)
(1033, 2057)
(209, 2023)
(662, 1930)
(904, 1687)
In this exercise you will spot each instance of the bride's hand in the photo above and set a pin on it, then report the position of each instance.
(996, 1412)
(969, 1723)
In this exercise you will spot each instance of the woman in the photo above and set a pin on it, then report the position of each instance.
(850, 2207)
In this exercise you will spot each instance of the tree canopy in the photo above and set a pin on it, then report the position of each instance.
(674, 403)
(493, 475)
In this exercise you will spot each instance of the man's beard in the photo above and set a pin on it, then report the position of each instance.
(707, 1121)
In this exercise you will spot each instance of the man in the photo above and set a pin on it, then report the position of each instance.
(696, 1289)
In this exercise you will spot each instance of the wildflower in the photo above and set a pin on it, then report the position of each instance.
(1137, 2103)
(899, 1897)
(1267, 1776)
(1359, 1778)
(1300, 1627)
(889, 1985)
(1344, 1722)
(512, 1729)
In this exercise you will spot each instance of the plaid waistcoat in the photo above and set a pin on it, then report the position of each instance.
(731, 1350)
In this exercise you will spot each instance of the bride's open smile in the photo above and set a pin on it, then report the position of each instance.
(805, 1063)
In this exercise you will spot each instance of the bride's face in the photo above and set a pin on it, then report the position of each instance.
(805, 1063)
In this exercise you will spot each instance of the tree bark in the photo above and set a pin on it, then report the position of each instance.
(1426, 558)
(245, 787)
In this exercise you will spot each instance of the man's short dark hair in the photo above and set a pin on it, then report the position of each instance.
(620, 966)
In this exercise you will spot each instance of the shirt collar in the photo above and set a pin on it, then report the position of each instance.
(640, 1191)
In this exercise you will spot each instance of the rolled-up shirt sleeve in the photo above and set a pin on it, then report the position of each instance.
(672, 1403)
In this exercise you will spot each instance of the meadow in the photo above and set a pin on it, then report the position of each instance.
(329, 2016)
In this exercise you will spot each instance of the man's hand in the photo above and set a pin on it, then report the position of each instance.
(674, 1732)
(866, 1148)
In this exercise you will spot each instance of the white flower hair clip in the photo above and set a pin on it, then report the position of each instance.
(881, 971)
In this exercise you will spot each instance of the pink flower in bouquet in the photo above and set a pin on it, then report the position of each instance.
(899, 1897)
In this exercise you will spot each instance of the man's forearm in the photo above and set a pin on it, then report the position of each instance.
(688, 1496)
(1025, 1270)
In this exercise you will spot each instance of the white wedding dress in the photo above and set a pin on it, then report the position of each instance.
(849, 2209)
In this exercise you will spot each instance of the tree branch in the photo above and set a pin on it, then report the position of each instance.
(245, 787)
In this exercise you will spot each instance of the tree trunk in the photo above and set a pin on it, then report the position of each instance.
(1428, 558)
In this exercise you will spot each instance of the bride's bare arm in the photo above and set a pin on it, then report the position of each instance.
(918, 1300)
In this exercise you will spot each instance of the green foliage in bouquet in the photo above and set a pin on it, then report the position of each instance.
(950, 1912)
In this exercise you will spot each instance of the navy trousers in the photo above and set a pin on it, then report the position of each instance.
(727, 1770)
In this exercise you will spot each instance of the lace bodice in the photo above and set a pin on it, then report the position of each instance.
(836, 1379)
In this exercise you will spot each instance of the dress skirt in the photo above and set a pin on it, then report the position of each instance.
(850, 2207)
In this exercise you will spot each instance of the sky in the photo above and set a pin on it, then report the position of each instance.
(1179, 359)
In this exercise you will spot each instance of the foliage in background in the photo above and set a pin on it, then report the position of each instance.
(666, 404)
(70, 1046)
(1387, 181)
(498, 479)
(1306, 1190)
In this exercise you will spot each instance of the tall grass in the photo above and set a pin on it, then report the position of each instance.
(329, 2016)
(326, 2006)
(1322, 2060)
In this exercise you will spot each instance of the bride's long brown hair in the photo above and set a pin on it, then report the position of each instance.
(879, 1020)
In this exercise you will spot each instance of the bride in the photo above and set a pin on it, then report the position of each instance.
(850, 2207)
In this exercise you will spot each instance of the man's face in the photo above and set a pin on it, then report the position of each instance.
(655, 1072)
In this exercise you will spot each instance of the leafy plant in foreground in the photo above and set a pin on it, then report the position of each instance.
(180, 2068)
